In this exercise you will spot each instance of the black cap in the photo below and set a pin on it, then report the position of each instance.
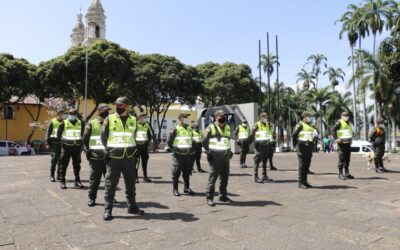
(122, 100)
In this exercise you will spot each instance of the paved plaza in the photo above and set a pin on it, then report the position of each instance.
(363, 213)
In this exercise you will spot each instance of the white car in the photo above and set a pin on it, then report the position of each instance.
(361, 147)
(13, 148)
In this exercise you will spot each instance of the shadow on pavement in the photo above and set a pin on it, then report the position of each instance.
(250, 203)
(335, 187)
(371, 178)
(325, 173)
(392, 171)
(284, 181)
(161, 182)
(185, 217)
(240, 174)
(123, 204)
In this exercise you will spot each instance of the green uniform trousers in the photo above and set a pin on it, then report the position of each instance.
(219, 167)
(143, 152)
(262, 152)
(181, 164)
(67, 153)
(55, 149)
(344, 151)
(379, 152)
(244, 150)
(198, 147)
(304, 153)
(115, 167)
(97, 169)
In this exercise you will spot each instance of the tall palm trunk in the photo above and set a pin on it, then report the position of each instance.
(376, 113)
(394, 126)
(366, 125)
(354, 95)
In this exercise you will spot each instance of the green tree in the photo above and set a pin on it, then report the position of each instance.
(334, 76)
(318, 62)
(306, 78)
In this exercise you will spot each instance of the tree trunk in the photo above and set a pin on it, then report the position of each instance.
(34, 119)
(366, 125)
(92, 113)
(376, 112)
(394, 128)
(354, 95)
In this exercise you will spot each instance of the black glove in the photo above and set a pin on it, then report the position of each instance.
(88, 154)
(137, 155)
(230, 154)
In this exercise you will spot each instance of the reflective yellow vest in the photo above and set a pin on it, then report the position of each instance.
(95, 140)
(121, 140)
(345, 132)
(141, 134)
(72, 134)
(197, 136)
(221, 143)
(307, 133)
(244, 132)
(263, 133)
(56, 123)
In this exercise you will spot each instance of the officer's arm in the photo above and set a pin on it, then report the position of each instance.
(83, 124)
(296, 132)
(335, 129)
(86, 137)
(207, 137)
(273, 131)
(105, 132)
(149, 135)
(171, 138)
(236, 134)
(253, 133)
(60, 131)
(372, 136)
(49, 131)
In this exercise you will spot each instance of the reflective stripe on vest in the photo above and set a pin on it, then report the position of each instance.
(120, 136)
(197, 136)
(263, 133)
(345, 132)
(72, 132)
(95, 139)
(183, 138)
(223, 142)
(56, 124)
(243, 132)
(307, 133)
(141, 134)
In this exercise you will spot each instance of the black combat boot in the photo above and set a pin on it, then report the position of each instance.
(58, 172)
(256, 178)
(91, 203)
(52, 179)
(107, 216)
(62, 184)
(341, 176)
(303, 186)
(377, 167)
(135, 210)
(347, 173)
(210, 202)
(224, 198)
(78, 183)
(175, 191)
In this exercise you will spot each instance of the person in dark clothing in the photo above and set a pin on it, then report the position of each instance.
(378, 139)
(197, 148)
(143, 136)
(242, 134)
(54, 144)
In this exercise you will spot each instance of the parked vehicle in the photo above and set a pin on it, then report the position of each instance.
(13, 148)
(361, 147)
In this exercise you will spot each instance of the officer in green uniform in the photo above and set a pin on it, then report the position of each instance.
(94, 150)
(303, 136)
(218, 148)
(272, 149)
(70, 133)
(378, 138)
(180, 140)
(55, 146)
(261, 134)
(197, 148)
(118, 137)
(242, 134)
(143, 136)
(343, 134)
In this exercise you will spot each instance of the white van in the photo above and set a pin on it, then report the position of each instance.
(13, 148)
(361, 147)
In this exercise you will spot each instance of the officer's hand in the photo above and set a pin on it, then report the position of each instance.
(230, 154)
(339, 141)
(137, 155)
(88, 155)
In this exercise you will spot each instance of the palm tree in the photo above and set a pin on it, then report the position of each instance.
(338, 104)
(307, 79)
(334, 76)
(267, 63)
(317, 61)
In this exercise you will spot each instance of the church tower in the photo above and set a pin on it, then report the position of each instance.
(95, 23)
(78, 32)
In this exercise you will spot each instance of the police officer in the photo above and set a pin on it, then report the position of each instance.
(143, 136)
(118, 137)
(378, 138)
(70, 133)
(55, 146)
(343, 134)
(197, 147)
(261, 134)
(180, 140)
(272, 149)
(242, 134)
(218, 148)
(303, 136)
(94, 150)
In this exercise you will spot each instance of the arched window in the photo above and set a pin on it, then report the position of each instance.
(8, 113)
(97, 31)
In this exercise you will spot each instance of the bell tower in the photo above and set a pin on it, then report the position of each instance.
(95, 23)
(78, 32)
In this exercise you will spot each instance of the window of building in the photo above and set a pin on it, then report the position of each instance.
(8, 113)
(97, 31)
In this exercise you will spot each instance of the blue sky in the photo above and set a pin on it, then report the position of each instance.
(193, 31)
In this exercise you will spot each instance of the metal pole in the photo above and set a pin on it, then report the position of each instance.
(6, 113)
(86, 83)
(269, 77)
(259, 71)
(289, 135)
(277, 89)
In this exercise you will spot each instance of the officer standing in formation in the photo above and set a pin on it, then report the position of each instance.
(94, 150)
(378, 139)
(303, 136)
(55, 146)
(242, 134)
(343, 134)
(272, 149)
(218, 148)
(70, 133)
(197, 148)
(180, 141)
(261, 134)
(118, 137)
(143, 136)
